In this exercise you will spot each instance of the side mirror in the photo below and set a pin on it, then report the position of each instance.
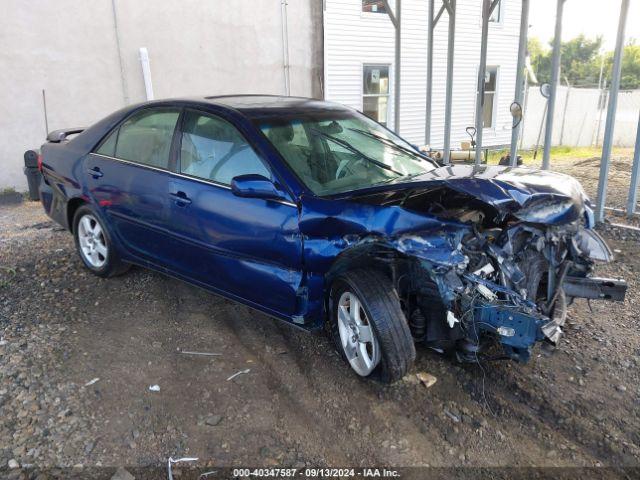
(256, 186)
(516, 113)
(545, 90)
(516, 110)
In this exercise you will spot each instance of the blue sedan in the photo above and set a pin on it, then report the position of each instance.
(314, 214)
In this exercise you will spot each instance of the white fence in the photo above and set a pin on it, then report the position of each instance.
(578, 120)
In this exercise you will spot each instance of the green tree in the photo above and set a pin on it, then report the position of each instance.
(578, 61)
(630, 76)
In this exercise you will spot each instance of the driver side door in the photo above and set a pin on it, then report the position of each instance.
(247, 248)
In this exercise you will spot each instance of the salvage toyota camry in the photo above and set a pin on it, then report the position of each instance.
(312, 213)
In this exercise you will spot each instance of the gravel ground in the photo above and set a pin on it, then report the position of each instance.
(79, 353)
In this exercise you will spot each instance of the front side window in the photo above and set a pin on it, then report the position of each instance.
(144, 138)
(373, 6)
(213, 149)
(375, 89)
(335, 153)
(490, 84)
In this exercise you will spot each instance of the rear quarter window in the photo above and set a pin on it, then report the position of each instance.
(143, 138)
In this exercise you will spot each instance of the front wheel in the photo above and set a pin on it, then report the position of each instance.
(94, 244)
(368, 326)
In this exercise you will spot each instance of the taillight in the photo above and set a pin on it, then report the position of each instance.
(40, 162)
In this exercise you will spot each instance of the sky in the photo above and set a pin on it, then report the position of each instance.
(590, 17)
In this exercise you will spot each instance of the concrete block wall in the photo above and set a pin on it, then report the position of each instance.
(85, 55)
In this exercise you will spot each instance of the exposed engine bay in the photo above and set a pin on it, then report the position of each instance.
(494, 274)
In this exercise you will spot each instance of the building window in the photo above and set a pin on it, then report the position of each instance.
(375, 89)
(490, 87)
(496, 15)
(373, 6)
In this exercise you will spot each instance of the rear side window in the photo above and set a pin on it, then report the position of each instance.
(144, 138)
(213, 149)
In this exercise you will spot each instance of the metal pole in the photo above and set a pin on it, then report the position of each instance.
(123, 77)
(46, 118)
(446, 149)
(396, 109)
(602, 103)
(427, 121)
(555, 75)
(520, 79)
(600, 98)
(544, 117)
(395, 20)
(635, 176)
(482, 70)
(564, 111)
(611, 113)
(285, 47)
(525, 105)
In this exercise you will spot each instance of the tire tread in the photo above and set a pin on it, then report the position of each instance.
(390, 326)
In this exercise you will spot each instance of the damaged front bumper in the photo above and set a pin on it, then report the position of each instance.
(519, 287)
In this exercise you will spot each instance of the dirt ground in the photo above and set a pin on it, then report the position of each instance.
(299, 404)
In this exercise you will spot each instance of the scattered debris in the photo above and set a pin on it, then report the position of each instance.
(122, 474)
(241, 372)
(213, 420)
(206, 474)
(13, 464)
(88, 448)
(154, 388)
(91, 382)
(171, 461)
(452, 416)
(204, 354)
(426, 378)
(626, 227)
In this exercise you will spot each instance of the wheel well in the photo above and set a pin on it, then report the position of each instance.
(357, 258)
(72, 208)
(352, 260)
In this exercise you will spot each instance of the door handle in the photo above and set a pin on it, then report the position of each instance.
(95, 172)
(180, 199)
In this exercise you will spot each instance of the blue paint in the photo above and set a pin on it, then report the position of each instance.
(526, 328)
(271, 243)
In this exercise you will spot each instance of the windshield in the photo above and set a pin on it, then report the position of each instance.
(338, 153)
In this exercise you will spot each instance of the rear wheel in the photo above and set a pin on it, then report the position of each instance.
(94, 244)
(368, 326)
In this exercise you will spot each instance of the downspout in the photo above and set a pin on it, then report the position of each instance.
(146, 73)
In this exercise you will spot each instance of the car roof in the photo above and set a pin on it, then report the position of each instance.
(260, 106)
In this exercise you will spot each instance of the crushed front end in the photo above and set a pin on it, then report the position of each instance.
(505, 276)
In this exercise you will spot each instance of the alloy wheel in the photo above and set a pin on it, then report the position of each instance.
(93, 243)
(357, 338)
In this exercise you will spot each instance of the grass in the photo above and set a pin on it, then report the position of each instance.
(5, 282)
(558, 154)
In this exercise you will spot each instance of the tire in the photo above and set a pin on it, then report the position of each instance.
(391, 351)
(94, 244)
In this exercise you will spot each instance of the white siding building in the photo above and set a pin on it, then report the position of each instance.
(359, 59)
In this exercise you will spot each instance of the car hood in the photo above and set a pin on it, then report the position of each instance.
(535, 196)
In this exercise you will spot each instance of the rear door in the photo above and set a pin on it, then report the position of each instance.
(249, 248)
(129, 176)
